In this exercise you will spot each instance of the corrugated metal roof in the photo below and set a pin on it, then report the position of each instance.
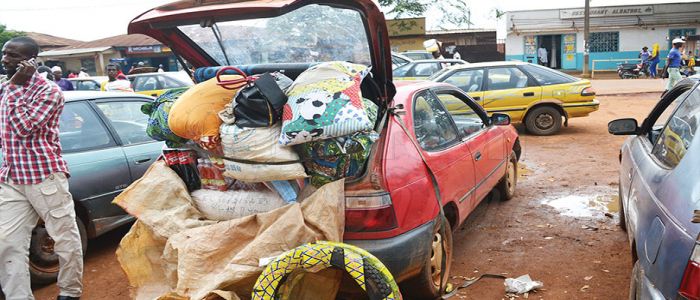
(124, 40)
(50, 41)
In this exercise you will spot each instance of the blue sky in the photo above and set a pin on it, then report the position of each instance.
(93, 19)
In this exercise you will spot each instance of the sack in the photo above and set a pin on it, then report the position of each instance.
(258, 145)
(259, 102)
(195, 114)
(229, 205)
(157, 112)
(332, 159)
(325, 101)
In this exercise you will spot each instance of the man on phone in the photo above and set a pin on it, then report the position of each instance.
(33, 175)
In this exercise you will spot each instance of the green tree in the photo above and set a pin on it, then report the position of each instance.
(454, 12)
(6, 35)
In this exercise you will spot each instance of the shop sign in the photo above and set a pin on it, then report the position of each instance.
(144, 49)
(577, 13)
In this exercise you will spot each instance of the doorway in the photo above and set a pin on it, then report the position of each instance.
(552, 46)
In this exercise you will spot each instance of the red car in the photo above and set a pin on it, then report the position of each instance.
(393, 210)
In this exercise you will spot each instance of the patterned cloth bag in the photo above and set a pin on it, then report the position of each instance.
(325, 101)
(342, 157)
(157, 112)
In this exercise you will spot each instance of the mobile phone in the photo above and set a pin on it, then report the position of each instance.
(31, 61)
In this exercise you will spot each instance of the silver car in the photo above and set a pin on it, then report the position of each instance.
(660, 195)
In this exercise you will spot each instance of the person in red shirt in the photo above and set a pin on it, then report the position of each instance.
(33, 175)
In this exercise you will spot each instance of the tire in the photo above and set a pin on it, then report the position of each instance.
(43, 262)
(543, 120)
(621, 212)
(506, 187)
(425, 284)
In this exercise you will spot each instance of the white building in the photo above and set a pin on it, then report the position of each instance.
(618, 33)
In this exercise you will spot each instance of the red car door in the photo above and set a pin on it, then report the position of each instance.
(485, 143)
(448, 157)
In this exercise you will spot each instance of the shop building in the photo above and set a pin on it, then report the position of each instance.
(617, 33)
(125, 50)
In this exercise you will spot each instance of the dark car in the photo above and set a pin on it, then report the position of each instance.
(104, 141)
(660, 195)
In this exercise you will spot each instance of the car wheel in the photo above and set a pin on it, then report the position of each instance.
(426, 285)
(506, 187)
(621, 211)
(543, 120)
(43, 261)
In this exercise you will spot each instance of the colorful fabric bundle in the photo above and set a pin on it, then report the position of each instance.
(332, 159)
(325, 101)
(157, 112)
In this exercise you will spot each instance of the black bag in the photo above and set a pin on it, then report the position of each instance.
(259, 102)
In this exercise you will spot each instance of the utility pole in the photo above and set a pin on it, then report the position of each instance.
(586, 29)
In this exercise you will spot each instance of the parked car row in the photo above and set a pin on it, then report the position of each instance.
(151, 84)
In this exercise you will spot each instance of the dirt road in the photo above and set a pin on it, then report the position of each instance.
(576, 257)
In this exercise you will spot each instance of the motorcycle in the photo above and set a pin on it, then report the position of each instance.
(627, 71)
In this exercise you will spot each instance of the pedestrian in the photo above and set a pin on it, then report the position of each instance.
(673, 64)
(33, 176)
(644, 55)
(115, 82)
(457, 55)
(542, 55)
(83, 73)
(654, 60)
(64, 84)
(45, 72)
(160, 69)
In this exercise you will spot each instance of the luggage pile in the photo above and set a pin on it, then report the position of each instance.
(253, 167)
(265, 131)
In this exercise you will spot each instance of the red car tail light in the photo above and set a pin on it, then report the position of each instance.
(589, 91)
(365, 213)
(690, 286)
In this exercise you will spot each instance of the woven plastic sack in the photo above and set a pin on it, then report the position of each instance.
(325, 101)
(157, 112)
(195, 115)
(258, 145)
(332, 159)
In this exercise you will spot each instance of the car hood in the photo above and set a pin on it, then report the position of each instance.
(161, 23)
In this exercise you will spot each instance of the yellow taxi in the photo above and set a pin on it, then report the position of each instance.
(541, 98)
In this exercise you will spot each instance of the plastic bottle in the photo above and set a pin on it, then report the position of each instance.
(203, 173)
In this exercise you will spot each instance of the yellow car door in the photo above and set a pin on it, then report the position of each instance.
(468, 80)
(509, 90)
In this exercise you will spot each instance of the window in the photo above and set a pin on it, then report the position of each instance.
(127, 119)
(546, 76)
(467, 80)
(604, 41)
(87, 85)
(467, 120)
(432, 123)
(402, 71)
(80, 129)
(506, 78)
(169, 83)
(676, 137)
(676, 33)
(425, 70)
(146, 83)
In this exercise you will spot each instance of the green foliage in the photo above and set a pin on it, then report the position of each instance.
(454, 13)
(6, 35)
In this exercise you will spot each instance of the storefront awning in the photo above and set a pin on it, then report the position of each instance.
(68, 52)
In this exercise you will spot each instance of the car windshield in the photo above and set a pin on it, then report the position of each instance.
(313, 33)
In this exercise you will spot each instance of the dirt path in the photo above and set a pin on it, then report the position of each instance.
(521, 236)
(576, 257)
